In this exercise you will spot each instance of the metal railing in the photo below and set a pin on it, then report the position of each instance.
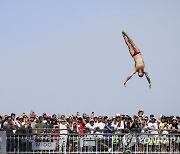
(99, 143)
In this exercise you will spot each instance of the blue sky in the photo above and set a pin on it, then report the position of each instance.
(68, 56)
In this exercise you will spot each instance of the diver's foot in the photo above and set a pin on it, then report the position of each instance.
(123, 33)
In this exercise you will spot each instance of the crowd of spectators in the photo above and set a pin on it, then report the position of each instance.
(55, 127)
(80, 124)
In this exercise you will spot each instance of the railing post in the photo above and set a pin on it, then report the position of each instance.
(112, 144)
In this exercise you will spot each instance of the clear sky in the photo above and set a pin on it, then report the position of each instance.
(64, 56)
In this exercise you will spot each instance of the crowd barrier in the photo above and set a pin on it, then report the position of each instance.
(116, 143)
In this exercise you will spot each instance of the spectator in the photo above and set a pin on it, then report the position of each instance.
(90, 126)
(128, 124)
(20, 121)
(151, 116)
(80, 126)
(32, 121)
(54, 117)
(87, 119)
(40, 126)
(55, 135)
(174, 125)
(109, 128)
(135, 126)
(73, 141)
(49, 125)
(9, 127)
(178, 124)
(13, 118)
(1, 120)
(44, 115)
(95, 120)
(163, 126)
(140, 113)
(143, 125)
(100, 123)
(153, 126)
(84, 116)
(119, 125)
(63, 126)
(54, 122)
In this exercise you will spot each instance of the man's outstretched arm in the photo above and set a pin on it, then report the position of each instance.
(130, 76)
(148, 79)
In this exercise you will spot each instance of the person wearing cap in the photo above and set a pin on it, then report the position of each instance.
(20, 121)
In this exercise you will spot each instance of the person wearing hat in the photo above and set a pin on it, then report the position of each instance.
(20, 121)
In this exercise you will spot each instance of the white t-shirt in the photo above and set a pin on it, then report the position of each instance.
(88, 125)
(153, 128)
(116, 125)
(101, 125)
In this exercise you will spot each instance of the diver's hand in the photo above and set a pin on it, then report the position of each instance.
(149, 86)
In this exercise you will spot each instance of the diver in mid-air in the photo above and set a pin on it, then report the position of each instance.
(137, 56)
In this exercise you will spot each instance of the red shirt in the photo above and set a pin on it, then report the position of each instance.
(80, 126)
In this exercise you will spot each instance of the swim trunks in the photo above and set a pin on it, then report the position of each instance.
(136, 53)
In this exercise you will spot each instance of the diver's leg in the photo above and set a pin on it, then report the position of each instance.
(135, 48)
(131, 50)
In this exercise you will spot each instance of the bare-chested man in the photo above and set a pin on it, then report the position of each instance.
(139, 63)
